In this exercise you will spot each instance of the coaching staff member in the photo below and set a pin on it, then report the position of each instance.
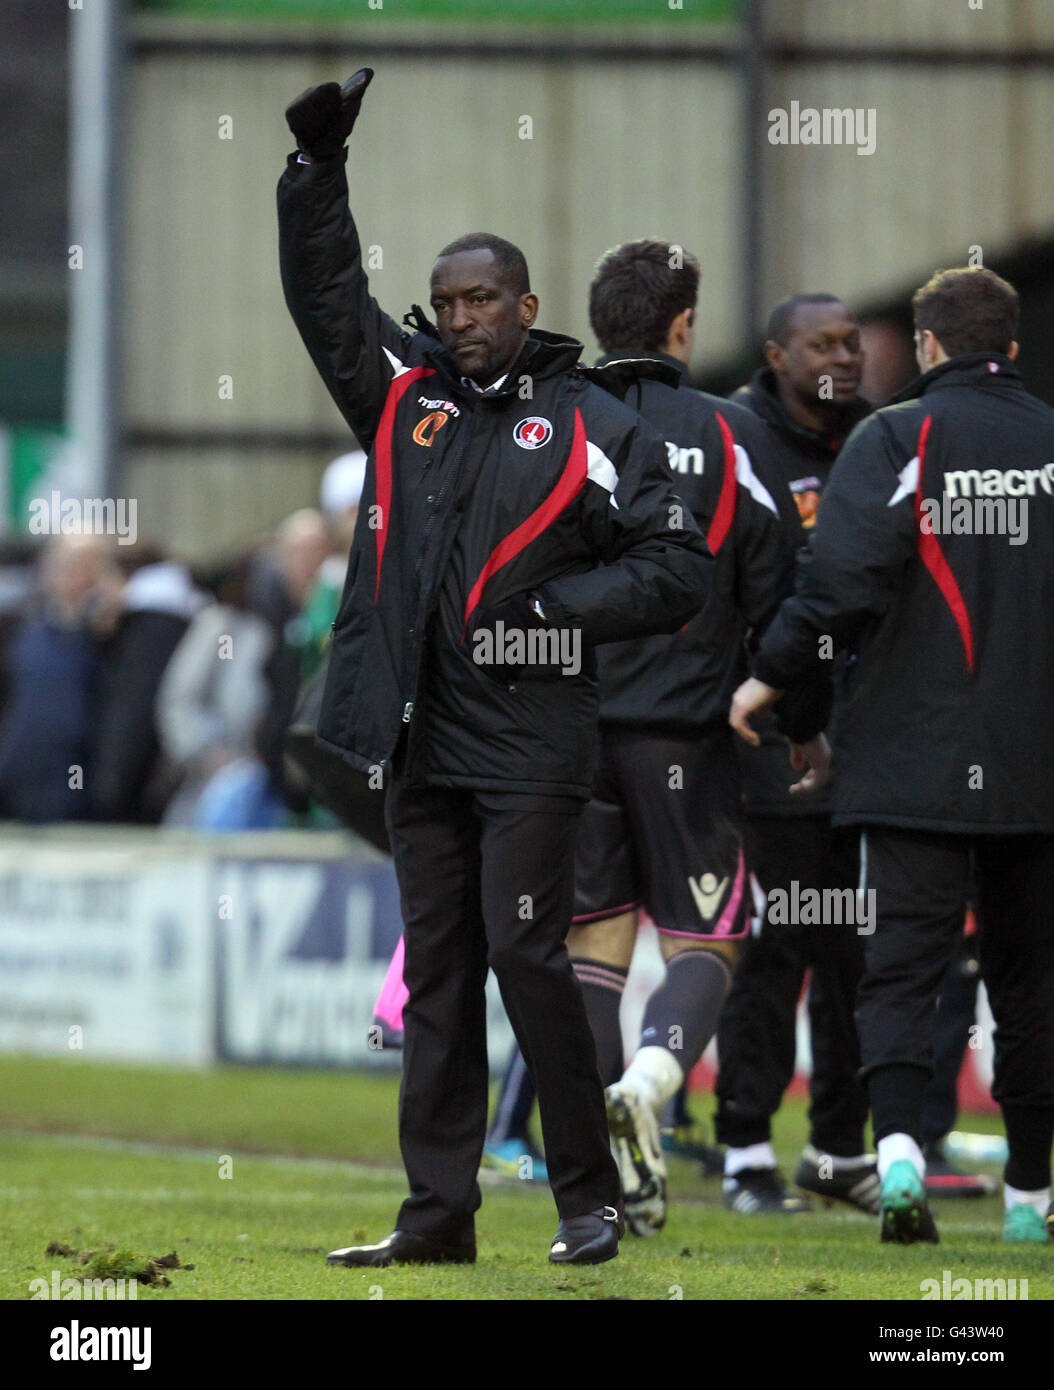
(547, 508)
(945, 753)
(807, 398)
(663, 830)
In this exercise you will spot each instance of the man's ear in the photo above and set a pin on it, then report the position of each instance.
(680, 336)
(681, 328)
(930, 349)
(775, 355)
(1013, 350)
(528, 309)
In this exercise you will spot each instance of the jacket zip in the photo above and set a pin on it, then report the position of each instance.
(421, 633)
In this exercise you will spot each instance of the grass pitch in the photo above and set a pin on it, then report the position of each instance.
(250, 1176)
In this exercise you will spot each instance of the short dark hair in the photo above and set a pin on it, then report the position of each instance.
(970, 309)
(781, 320)
(638, 290)
(511, 260)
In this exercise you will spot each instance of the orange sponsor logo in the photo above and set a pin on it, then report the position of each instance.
(427, 429)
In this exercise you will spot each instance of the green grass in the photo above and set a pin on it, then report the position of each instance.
(92, 1157)
(326, 1114)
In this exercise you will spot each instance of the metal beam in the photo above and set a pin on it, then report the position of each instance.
(92, 377)
(752, 198)
(154, 37)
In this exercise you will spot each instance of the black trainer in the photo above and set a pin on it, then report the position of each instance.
(761, 1190)
(589, 1239)
(403, 1248)
(858, 1186)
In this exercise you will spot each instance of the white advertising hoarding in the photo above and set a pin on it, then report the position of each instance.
(106, 953)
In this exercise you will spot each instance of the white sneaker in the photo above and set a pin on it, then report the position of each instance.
(635, 1143)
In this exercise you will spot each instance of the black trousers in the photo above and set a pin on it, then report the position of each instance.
(487, 879)
(956, 1015)
(921, 883)
(756, 1037)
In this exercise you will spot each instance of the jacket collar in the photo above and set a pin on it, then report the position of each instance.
(618, 372)
(651, 355)
(543, 355)
(971, 369)
(762, 396)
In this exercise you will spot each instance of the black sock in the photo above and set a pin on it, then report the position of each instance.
(1029, 1134)
(683, 1013)
(896, 1099)
(602, 987)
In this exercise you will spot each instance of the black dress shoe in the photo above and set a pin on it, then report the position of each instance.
(403, 1248)
(589, 1239)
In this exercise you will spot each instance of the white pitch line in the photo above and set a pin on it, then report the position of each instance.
(169, 1194)
(188, 1151)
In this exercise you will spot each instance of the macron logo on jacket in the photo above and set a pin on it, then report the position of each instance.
(692, 460)
(995, 482)
(685, 460)
(977, 482)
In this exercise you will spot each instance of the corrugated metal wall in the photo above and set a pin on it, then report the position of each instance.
(961, 159)
(977, 24)
(615, 153)
(620, 149)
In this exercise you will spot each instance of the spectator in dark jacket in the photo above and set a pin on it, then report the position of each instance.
(280, 584)
(153, 611)
(214, 694)
(52, 681)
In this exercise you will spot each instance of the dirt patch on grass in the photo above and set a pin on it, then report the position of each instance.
(121, 1264)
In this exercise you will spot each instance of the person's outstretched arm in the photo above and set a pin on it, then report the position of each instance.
(357, 349)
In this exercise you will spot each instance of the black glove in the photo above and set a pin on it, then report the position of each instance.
(323, 117)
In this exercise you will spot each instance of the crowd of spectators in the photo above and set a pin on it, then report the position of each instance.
(137, 690)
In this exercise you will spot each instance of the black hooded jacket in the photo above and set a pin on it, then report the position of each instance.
(803, 458)
(718, 452)
(547, 485)
(933, 561)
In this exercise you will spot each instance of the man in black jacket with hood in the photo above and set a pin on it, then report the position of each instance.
(514, 515)
(933, 561)
(663, 832)
(807, 397)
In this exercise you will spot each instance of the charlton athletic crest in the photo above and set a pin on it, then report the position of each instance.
(533, 432)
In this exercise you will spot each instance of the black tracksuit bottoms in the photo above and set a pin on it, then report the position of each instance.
(487, 880)
(921, 882)
(756, 1036)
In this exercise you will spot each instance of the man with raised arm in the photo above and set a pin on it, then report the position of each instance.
(514, 515)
